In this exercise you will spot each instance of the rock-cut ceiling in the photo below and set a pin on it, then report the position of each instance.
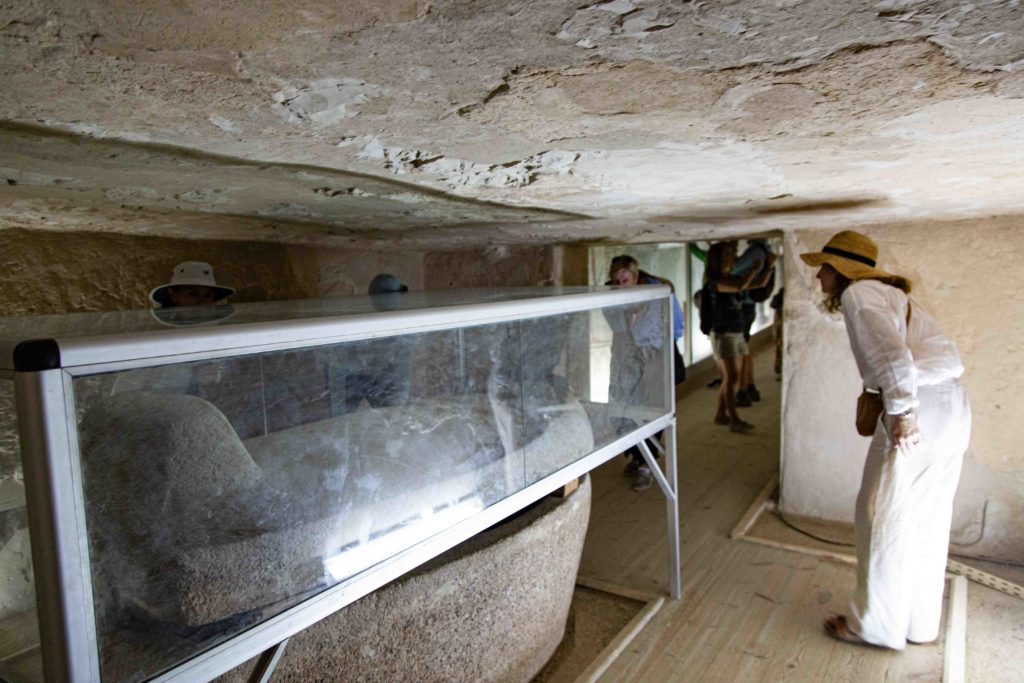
(432, 124)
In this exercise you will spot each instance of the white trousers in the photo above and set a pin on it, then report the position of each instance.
(904, 512)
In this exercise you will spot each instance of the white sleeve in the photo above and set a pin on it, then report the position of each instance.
(878, 335)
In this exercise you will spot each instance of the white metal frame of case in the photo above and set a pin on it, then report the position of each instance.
(54, 493)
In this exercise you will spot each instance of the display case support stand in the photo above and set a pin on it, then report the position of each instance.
(267, 663)
(667, 482)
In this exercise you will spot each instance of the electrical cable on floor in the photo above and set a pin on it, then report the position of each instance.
(952, 566)
(822, 539)
(808, 534)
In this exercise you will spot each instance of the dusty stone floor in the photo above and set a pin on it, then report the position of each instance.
(595, 619)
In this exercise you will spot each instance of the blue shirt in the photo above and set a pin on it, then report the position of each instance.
(651, 323)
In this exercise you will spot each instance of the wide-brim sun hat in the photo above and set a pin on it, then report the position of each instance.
(851, 253)
(194, 273)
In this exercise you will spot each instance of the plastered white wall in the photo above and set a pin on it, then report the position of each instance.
(966, 274)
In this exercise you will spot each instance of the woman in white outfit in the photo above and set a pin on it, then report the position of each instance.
(905, 504)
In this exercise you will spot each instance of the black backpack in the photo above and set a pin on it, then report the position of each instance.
(707, 308)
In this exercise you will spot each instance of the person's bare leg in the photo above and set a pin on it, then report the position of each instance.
(730, 385)
(721, 414)
(717, 381)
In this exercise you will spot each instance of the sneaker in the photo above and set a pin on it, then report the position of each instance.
(753, 394)
(631, 468)
(715, 383)
(742, 399)
(643, 478)
(741, 427)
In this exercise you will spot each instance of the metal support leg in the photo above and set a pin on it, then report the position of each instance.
(56, 518)
(267, 662)
(667, 484)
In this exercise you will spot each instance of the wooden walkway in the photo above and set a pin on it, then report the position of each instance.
(748, 613)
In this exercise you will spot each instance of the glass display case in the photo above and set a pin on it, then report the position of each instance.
(200, 484)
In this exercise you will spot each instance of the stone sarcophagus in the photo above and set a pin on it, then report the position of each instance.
(183, 489)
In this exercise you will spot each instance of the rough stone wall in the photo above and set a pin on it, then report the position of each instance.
(491, 267)
(49, 272)
(963, 274)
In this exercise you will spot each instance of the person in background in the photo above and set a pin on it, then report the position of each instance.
(905, 504)
(756, 258)
(720, 299)
(194, 299)
(634, 358)
(701, 255)
(192, 284)
(385, 283)
(778, 330)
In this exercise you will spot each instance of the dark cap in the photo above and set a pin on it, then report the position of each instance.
(386, 283)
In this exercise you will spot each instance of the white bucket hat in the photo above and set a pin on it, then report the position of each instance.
(195, 273)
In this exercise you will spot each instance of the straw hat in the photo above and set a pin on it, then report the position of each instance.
(852, 254)
(196, 273)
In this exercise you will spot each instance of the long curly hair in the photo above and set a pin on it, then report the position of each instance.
(834, 302)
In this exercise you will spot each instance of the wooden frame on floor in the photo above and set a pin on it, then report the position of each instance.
(611, 652)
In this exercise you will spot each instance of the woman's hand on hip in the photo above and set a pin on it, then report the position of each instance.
(905, 433)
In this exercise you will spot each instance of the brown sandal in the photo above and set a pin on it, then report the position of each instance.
(837, 627)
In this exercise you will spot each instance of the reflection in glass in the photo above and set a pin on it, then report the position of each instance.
(20, 658)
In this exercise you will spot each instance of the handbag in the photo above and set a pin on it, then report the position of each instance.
(869, 409)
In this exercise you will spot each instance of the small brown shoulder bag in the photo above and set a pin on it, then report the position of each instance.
(869, 409)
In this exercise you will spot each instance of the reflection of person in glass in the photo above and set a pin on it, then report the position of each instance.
(637, 372)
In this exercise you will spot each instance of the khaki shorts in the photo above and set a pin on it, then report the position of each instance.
(729, 345)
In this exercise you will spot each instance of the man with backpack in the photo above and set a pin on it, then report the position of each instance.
(756, 258)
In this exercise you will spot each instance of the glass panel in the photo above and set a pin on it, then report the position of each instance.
(13, 330)
(557, 426)
(571, 410)
(20, 658)
(638, 372)
(219, 494)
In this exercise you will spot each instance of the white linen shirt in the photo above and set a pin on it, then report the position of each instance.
(892, 358)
